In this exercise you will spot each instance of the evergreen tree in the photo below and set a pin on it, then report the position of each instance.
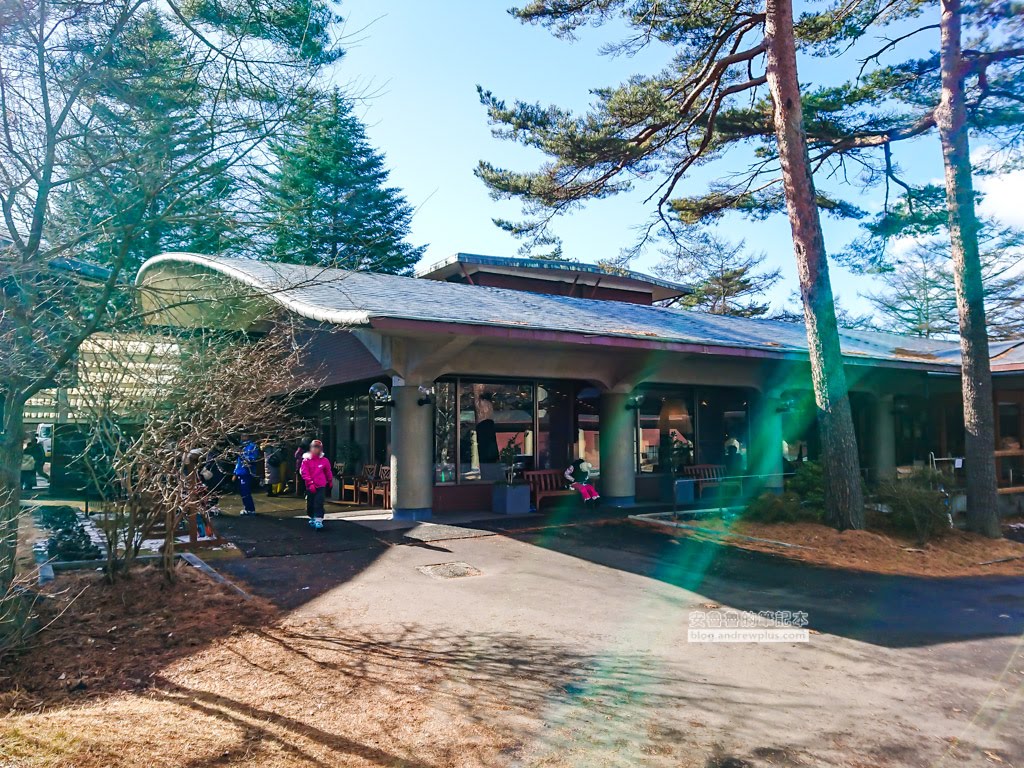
(845, 318)
(148, 133)
(973, 83)
(732, 82)
(919, 297)
(144, 107)
(328, 202)
(724, 277)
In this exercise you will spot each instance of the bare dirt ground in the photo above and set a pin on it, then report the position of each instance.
(957, 553)
(569, 649)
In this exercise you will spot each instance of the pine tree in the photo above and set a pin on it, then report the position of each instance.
(328, 201)
(974, 83)
(732, 82)
(725, 279)
(919, 297)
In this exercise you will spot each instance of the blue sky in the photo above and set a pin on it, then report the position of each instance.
(415, 67)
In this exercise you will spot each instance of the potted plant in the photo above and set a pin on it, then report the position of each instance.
(510, 496)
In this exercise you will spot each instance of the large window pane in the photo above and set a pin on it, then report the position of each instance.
(444, 432)
(1009, 426)
(361, 426)
(325, 428)
(666, 432)
(723, 429)
(588, 427)
(800, 440)
(381, 441)
(492, 416)
(911, 421)
(343, 436)
(554, 425)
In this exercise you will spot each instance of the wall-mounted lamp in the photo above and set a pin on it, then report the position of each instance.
(785, 406)
(634, 402)
(380, 394)
(427, 393)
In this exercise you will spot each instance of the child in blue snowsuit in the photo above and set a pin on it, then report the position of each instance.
(248, 456)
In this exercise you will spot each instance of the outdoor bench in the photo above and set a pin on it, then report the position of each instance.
(546, 482)
(705, 476)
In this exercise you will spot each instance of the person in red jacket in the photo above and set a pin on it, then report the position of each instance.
(316, 473)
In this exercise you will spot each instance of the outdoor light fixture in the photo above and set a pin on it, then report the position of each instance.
(427, 393)
(786, 406)
(634, 402)
(380, 394)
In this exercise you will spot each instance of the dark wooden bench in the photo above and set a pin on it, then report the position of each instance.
(705, 476)
(545, 483)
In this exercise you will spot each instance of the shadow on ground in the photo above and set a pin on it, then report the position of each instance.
(538, 701)
(299, 564)
(893, 611)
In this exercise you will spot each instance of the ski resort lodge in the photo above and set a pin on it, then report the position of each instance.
(479, 356)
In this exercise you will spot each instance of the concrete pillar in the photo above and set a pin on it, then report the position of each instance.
(883, 442)
(618, 450)
(412, 455)
(766, 441)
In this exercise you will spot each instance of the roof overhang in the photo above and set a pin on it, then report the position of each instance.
(193, 290)
(526, 336)
(584, 275)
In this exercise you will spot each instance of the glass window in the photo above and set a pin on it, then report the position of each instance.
(723, 429)
(325, 427)
(493, 416)
(666, 433)
(910, 422)
(354, 433)
(588, 427)
(381, 415)
(799, 428)
(444, 432)
(554, 426)
(1009, 426)
(361, 426)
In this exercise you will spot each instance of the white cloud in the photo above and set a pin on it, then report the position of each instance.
(1004, 198)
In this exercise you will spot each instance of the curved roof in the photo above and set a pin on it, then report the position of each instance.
(361, 298)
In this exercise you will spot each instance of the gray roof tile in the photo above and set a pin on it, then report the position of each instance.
(332, 295)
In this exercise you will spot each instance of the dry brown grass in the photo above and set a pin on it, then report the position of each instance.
(109, 685)
(955, 554)
(285, 696)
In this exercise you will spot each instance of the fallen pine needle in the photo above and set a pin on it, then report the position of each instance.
(1002, 560)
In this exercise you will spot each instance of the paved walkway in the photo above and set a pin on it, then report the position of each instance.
(898, 672)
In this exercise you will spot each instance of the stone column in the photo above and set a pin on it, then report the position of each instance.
(618, 450)
(884, 439)
(412, 455)
(766, 441)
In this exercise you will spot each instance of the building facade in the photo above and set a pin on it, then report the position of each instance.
(555, 361)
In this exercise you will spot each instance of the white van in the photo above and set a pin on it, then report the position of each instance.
(44, 434)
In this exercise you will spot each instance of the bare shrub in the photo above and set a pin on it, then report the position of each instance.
(166, 405)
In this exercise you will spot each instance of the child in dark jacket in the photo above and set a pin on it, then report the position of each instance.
(578, 475)
(28, 468)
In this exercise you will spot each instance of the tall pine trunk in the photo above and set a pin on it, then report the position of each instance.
(844, 498)
(11, 446)
(979, 417)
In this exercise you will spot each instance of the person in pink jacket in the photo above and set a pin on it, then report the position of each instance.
(316, 472)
